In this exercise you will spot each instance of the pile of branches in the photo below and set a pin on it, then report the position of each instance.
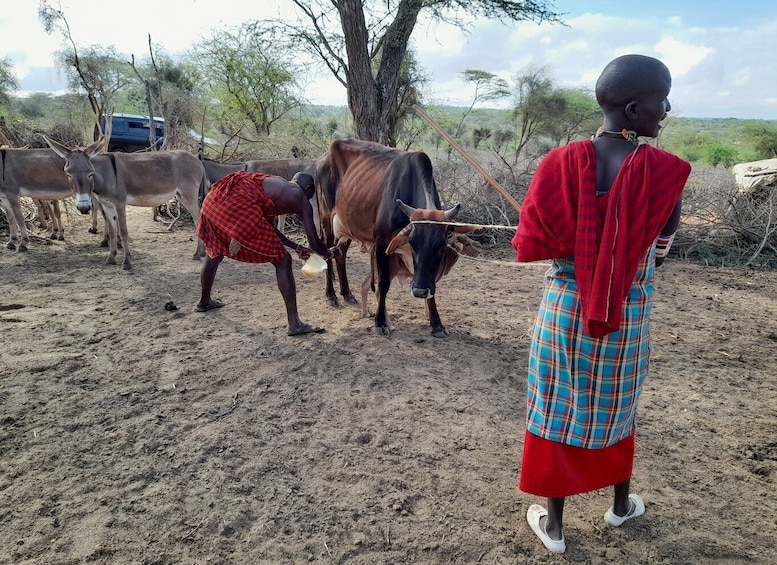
(719, 225)
(722, 226)
(458, 182)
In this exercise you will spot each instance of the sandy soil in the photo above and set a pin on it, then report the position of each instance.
(136, 434)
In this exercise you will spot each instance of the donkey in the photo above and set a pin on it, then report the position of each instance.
(116, 180)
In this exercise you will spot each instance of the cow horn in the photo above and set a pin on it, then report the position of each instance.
(452, 213)
(409, 210)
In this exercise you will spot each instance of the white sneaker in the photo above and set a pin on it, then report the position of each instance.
(636, 508)
(533, 516)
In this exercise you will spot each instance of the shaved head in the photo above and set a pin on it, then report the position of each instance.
(306, 183)
(631, 77)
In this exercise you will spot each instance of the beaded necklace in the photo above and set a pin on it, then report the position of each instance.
(628, 134)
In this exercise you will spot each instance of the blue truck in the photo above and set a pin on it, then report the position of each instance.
(130, 132)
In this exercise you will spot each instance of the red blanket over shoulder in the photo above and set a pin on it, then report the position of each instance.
(562, 216)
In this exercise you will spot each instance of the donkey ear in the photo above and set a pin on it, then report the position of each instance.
(95, 147)
(61, 150)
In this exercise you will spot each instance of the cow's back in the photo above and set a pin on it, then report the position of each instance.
(352, 180)
(285, 168)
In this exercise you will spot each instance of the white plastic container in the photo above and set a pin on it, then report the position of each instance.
(313, 267)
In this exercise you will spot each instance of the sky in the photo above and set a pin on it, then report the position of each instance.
(721, 53)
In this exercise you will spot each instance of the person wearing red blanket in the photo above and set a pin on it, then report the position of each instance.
(604, 211)
(236, 221)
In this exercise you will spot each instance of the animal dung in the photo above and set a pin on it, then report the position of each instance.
(313, 267)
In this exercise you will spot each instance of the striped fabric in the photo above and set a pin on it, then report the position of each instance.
(237, 208)
(583, 391)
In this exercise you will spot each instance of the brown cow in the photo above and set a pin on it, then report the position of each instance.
(401, 267)
(370, 193)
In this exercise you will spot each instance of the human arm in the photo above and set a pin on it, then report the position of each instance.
(302, 251)
(666, 236)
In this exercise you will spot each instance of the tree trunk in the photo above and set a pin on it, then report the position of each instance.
(372, 99)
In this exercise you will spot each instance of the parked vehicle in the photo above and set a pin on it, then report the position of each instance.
(130, 132)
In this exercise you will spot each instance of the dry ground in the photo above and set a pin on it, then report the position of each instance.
(134, 434)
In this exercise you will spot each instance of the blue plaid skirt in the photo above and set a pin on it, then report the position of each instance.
(583, 391)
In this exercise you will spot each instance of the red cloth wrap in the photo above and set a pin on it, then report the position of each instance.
(607, 235)
(236, 207)
(555, 469)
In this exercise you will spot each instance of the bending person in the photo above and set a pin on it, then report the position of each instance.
(236, 221)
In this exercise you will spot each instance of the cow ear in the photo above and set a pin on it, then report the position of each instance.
(399, 240)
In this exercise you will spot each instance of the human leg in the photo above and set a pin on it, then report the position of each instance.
(207, 277)
(547, 524)
(555, 523)
(288, 288)
(621, 498)
(625, 506)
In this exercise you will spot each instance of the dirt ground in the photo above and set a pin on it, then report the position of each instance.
(136, 434)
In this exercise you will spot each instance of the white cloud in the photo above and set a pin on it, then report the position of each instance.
(680, 57)
(720, 71)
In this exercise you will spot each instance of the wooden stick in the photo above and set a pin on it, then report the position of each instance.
(471, 161)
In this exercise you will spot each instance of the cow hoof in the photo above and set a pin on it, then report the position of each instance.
(53, 236)
(11, 246)
(92, 230)
(196, 257)
(351, 300)
(110, 261)
(382, 330)
(440, 332)
(22, 248)
(61, 238)
(332, 302)
(126, 266)
(103, 244)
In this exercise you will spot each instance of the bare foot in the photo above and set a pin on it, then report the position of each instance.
(211, 305)
(303, 329)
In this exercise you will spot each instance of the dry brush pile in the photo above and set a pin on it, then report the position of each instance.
(719, 226)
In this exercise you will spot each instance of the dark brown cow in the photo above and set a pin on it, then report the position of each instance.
(370, 194)
(401, 267)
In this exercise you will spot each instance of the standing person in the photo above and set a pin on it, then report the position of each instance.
(236, 221)
(604, 211)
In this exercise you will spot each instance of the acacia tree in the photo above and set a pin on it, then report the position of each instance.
(168, 91)
(99, 71)
(578, 115)
(250, 74)
(8, 81)
(543, 109)
(380, 30)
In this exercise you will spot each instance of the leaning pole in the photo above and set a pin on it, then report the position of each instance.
(460, 149)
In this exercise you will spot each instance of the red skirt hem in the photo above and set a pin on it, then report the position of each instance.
(553, 469)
